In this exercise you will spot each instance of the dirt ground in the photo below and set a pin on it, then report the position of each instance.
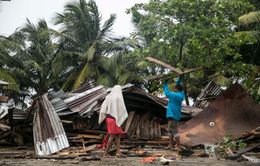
(133, 161)
(129, 161)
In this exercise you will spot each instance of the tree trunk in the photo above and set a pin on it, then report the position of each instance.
(182, 66)
(185, 93)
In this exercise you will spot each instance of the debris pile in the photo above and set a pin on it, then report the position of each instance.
(226, 124)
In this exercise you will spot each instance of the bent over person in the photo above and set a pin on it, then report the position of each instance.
(113, 109)
(173, 113)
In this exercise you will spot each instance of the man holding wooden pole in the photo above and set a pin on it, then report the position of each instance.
(175, 97)
(173, 113)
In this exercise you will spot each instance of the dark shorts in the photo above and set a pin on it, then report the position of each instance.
(172, 127)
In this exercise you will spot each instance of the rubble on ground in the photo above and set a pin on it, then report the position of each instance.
(220, 114)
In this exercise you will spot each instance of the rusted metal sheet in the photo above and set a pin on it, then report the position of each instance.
(87, 102)
(211, 91)
(232, 113)
(137, 91)
(4, 98)
(48, 132)
(88, 85)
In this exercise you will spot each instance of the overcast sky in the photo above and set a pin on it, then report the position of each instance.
(14, 13)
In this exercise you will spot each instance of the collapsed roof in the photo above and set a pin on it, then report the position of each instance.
(232, 113)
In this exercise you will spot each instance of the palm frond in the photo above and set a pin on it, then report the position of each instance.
(33, 65)
(67, 85)
(8, 77)
(63, 61)
(250, 18)
(84, 73)
(106, 28)
(254, 34)
(90, 54)
(221, 80)
(105, 80)
(124, 79)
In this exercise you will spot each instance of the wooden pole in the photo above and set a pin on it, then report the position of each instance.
(153, 60)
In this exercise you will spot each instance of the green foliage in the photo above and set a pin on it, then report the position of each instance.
(29, 53)
(8, 77)
(183, 33)
(87, 42)
(189, 34)
(229, 143)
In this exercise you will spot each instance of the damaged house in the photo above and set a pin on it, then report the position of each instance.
(81, 110)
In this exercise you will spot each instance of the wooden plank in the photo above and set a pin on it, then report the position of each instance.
(88, 149)
(168, 76)
(191, 70)
(153, 60)
(92, 131)
(242, 151)
(90, 136)
(152, 142)
(4, 127)
(5, 134)
(132, 129)
(143, 130)
(161, 77)
(129, 120)
(56, 157)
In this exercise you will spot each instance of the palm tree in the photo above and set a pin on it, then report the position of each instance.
(84, 41)
(31, 51)
(4, 73)
(251, 22)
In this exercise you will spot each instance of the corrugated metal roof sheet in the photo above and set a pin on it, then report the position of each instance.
(48, 132)
(3, 112)
(211, 91)
(57, 101)
(87, 102)
(88, 85)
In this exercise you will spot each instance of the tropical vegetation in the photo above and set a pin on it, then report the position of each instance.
(220, 36)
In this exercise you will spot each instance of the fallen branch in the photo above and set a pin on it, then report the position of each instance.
(150, 59)
(168, 76)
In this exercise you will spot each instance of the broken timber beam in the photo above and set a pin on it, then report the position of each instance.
(153, 60)
(168, 76)
(161, 77)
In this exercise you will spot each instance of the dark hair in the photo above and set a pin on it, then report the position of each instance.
(178, 87)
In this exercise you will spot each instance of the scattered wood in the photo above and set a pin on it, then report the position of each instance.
(4, 127)
(242, 151)
(148, 142)
(5, 134)
(89, 136)
(56, 157)
(91, 131)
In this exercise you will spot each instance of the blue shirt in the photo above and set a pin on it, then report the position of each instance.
(174, 103)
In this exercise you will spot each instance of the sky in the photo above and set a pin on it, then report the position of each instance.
(13, 14)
